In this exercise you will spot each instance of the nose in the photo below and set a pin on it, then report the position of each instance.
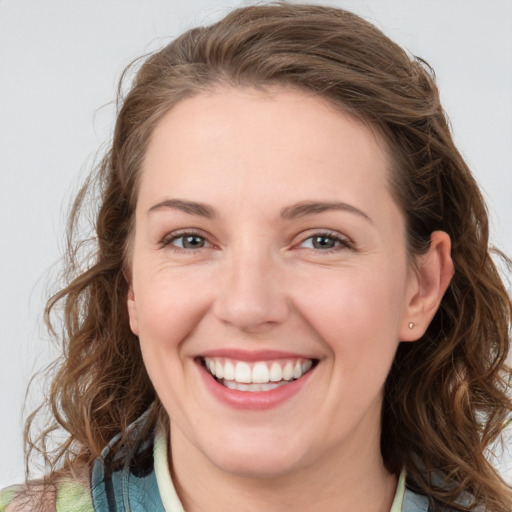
(251, 296)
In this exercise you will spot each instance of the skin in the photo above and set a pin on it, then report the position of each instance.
(255, 280)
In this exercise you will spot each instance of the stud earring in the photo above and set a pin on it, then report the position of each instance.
(411, 325)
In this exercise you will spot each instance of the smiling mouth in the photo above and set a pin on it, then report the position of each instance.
(258, 375)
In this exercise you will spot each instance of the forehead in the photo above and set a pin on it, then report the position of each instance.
(277, 140)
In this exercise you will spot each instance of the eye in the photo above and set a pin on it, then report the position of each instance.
(185, 241)
(189, 242)
(325, 242)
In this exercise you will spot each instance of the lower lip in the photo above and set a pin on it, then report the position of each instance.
(253, 400)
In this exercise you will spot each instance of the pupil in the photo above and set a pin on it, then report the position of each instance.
(323, 242)
(192, 242)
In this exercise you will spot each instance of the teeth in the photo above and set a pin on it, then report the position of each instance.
(229, 371)
(268, 386)
(233, 384)
(219, 370)
(276, 372)
(242, 373)
(257, 376)
(306, 366)
(288, 371)
(260, 373)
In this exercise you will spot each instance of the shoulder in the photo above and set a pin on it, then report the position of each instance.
(27, 498)
(414, 502)
(127, 481)
(66, 495)
(123, 478)
(120, 479)
(73, 495)
(7, 497)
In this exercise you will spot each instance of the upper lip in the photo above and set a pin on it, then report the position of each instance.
(253, 355)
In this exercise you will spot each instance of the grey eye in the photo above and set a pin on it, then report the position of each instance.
(189, 242)
(323, 242)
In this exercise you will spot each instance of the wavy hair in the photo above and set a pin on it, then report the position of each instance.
(446, 395)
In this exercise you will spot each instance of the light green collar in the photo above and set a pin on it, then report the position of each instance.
(166, 488)
(398, 500)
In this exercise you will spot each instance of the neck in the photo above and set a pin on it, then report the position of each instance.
(337, 482)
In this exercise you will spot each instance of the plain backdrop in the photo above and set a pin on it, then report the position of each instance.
(60, 61)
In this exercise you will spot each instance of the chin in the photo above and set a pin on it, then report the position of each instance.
(256, 459)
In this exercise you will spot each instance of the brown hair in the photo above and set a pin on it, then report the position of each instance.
(445, 398)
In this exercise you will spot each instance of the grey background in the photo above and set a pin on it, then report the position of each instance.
(59, 64)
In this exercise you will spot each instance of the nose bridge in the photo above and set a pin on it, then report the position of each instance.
(251, 296)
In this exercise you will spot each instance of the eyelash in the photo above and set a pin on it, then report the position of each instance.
(167, 242)
(343, 242)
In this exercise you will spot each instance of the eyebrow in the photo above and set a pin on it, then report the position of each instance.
(294, 211)
(191, 207)
(315, 207)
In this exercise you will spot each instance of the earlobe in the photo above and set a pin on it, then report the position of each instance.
(132, 310)
(432, 277)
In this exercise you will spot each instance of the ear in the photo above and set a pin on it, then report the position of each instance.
(132, 310)
(429, 282)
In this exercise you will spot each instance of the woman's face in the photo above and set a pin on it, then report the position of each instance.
(268, 251)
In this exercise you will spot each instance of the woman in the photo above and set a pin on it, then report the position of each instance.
(292, 297)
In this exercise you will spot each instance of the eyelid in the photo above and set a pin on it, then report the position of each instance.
(344, 241)
(169, 238)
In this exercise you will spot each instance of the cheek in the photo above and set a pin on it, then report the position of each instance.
(170, 303)
(354, 294)
(357, 313)
(169, 309)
